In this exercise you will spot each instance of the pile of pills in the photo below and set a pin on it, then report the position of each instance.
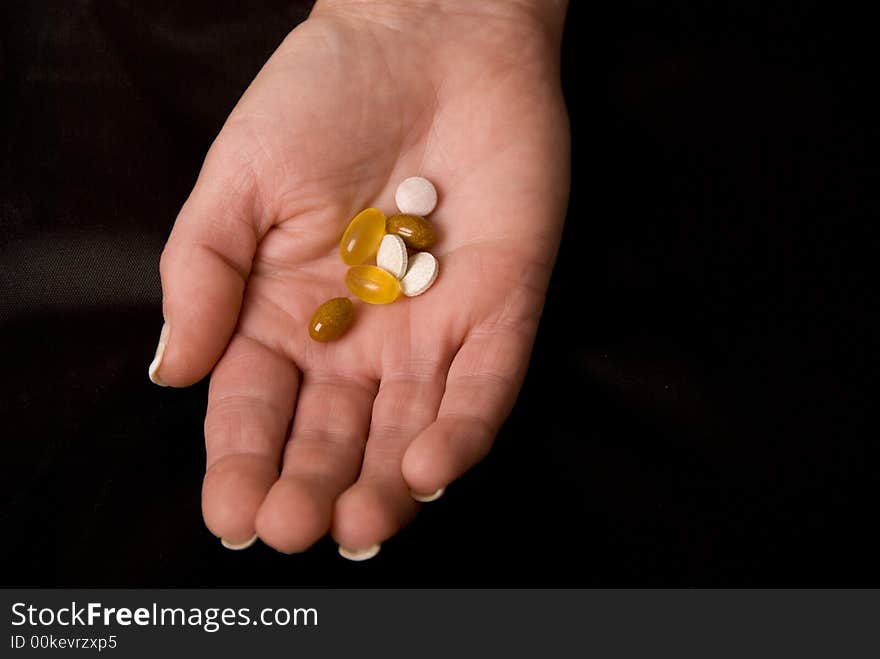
(398, 243)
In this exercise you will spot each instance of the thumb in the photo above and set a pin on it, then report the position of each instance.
(204, 268)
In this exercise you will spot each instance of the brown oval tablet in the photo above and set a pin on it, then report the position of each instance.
(417, 232)
(331, 320)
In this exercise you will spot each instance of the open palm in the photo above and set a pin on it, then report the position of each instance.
(303, 437)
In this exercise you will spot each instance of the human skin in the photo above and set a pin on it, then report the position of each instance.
(305, 438)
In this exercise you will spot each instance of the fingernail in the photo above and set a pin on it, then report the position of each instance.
(427, 498)
(242, 545)
(157, 360)
(359, 554)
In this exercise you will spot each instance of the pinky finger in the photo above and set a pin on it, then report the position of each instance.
(481, 389)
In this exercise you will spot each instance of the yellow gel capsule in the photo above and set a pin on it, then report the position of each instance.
(331, 320)
(362, 236)
(372, 284)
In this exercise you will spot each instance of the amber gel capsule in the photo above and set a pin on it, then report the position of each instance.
(372, 284)
(417, 232)
(362, 236)
(331, 320)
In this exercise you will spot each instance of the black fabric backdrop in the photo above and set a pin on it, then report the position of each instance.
(707, 419)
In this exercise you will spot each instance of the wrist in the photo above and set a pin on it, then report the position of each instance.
(544, 16)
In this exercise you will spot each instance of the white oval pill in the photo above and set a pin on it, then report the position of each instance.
(416, 196)
(422, 272)
(392, 255)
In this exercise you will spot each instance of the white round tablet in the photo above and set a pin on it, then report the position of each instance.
(416, 196)
(392, 255)
(422, 272)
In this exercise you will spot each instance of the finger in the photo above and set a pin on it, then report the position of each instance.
(322, 458)
(380, 503)
(481, 389)
(204, 267)
(250, 402)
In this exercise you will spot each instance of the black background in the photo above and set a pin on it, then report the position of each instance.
(707, 418)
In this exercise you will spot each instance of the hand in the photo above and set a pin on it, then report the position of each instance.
(357, 98)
